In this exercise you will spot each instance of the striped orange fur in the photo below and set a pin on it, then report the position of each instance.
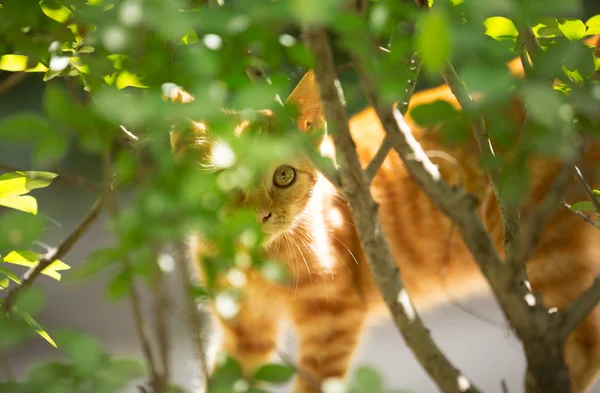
(331, 295)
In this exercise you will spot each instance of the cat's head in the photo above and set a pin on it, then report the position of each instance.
(281, 195)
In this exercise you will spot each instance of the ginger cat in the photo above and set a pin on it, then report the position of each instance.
(308, 228)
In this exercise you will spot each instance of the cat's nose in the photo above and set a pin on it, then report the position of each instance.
(264, 215)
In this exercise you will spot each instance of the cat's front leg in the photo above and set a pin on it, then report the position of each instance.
(329, 324)
(251, 336)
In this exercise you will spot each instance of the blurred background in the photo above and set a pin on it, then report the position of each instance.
(472, 333)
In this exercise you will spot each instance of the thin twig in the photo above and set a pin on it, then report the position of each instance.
(504, 386)
(588, 190)
(138, 317)
(584, 217)
(531, 43)
(540, 217)
(12, 81)
(414, 65)
(54, 254)
(356, 189)
(576, 312)
(193, 317)
(510, 211)
(161, 304)
(378, 159)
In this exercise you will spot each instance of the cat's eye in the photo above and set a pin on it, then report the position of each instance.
(284, 176)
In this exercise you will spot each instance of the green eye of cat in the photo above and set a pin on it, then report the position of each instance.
(284, 176)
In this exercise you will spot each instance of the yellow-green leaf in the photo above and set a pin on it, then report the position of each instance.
(21, 182)
(31, 259)
(25, 203)
(13, 187)
(56, 11)
(13, 63)
(79, 65)
(126, 78)
(190, 38)
(593, 25)
(38, 329)
(572, 29)
(19, 63)
(499, 26)
(10, 275)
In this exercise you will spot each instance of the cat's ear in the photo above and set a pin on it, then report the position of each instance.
(186, 134)
(306, 98)
(172, 92)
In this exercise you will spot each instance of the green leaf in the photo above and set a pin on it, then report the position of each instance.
(434, 42)
(54, 10)
(275, 272)
(543, 103)
(84, 352)
(596, 192)
(426, 115)
(57, 103)
(583, 206)
(31, 259)
(97, 261)
(572, 29)
(119, 286)
(18, 230)
(14, 329)
(593, 25)
(500, 27)
(30, 300)
(24, 127)
(274, 373)
(367, 380)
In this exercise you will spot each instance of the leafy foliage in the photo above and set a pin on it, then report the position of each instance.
(105, 63)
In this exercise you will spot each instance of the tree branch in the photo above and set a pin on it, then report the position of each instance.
(33, 273)
(356, 189)
(11, 81)
(588, 190)
(510, 211)
(386, 146)
(380, 155)
(531, 43)
(541, 216)
(576, 312)
(193, 317)
(138, 317)
(584, 217)
(543, 347)
(161, 304)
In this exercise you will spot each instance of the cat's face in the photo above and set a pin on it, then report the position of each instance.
(280, 197)
(282, 193)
